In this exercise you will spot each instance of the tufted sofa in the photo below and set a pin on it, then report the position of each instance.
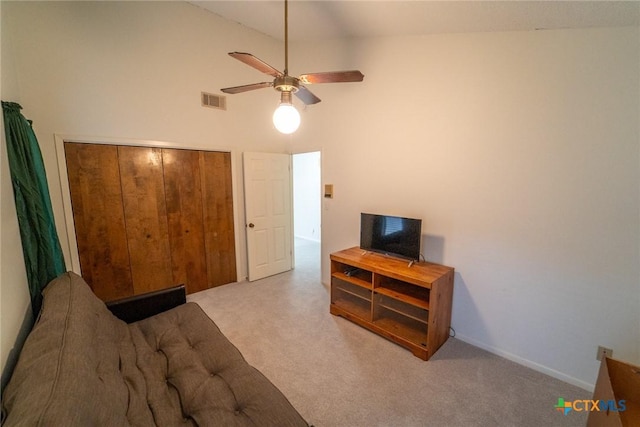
(82, 366)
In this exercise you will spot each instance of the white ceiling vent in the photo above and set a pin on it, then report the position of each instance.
(213, 101)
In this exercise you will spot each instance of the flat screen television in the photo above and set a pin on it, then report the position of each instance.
(391, 235)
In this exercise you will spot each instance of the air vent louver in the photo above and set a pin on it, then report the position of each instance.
(213, 101)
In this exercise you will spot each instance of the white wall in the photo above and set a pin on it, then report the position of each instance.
(306, 195)
(125, 70)
(520, 151)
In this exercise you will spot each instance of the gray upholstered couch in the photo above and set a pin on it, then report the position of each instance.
(82, 366)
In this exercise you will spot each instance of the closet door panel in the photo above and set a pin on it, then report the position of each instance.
(98, 215)
(218, 217)
(145, 213)
(184, 212)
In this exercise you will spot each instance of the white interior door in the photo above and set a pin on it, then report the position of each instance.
(267, 196)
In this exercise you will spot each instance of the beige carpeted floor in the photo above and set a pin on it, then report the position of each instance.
(338, 374)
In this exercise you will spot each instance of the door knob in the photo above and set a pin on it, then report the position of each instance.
(251, 225)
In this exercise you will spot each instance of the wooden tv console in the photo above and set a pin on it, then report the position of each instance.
(407, 304)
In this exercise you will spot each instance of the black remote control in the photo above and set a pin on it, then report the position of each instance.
(351, 271)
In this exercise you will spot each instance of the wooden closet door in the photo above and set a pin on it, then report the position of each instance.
(183, 194)
(149, 218)
(98, 214)
(218, 217)
(141, 177)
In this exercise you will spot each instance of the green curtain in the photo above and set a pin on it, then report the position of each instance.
(42, 253)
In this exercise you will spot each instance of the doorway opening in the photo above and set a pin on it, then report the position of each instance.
(307, 201)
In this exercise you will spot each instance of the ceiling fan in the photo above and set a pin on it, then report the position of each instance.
(286, 118)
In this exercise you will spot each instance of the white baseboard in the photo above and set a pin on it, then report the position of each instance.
(528, 363)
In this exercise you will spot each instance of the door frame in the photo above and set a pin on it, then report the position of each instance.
(70, 229)
(322, 202)
(319, 189)
(291, 196)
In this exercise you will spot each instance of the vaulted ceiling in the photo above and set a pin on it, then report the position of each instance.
(330, 19)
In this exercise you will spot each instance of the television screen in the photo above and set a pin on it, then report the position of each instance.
(391, 235)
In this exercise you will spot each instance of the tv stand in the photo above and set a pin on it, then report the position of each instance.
(407, 304)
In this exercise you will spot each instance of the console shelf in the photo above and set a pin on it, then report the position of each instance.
(407, 304)
(410, 294)
(364, 283)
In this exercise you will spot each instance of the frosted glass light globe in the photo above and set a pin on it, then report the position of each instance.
(286, 118)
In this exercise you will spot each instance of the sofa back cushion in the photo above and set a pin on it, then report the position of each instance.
(78, 365)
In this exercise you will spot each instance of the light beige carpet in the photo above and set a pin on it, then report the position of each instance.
(338, 374)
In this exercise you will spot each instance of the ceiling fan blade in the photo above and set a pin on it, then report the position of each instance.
(332, 77)
(246, 88)
(256, 63)
(306, 96)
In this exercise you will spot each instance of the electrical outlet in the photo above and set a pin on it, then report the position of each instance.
(604, 351)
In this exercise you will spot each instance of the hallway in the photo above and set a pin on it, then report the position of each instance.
(307, 258)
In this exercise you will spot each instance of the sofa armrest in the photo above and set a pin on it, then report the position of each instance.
(138, 307)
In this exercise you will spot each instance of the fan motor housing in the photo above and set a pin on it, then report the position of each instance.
(286, 84)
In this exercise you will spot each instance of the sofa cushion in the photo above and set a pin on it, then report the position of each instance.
(188, 362)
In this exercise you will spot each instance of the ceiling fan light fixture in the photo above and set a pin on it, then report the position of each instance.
(286, 118)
